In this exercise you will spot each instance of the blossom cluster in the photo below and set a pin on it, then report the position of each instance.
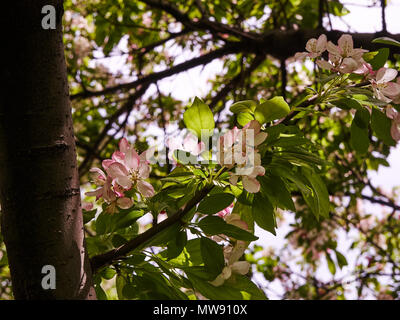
(238, 148)
(344, 58)
(126, 170)
(233, 251)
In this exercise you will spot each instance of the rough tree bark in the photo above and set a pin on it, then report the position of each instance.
(39, 186)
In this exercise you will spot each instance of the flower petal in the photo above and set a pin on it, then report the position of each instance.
(116, 170)
(345, 43)
(323, 64)
(391, 90)
(391, 113)
(233, 179)
(98, 193)
(311, 45)
(253, 124)
(321, 43)
(124, 203)
(87, 206)
(118, 156)
(241, 267)
(106, 163)
(395, 131)
(218, 281)
(145, 188)
(144, 170)
(98, 176)
(132, 159)
(260, 138)
(333, 49)
(384, 75)
(124, 182)
(251, 184)
(108, 193)
(348, 65)
(300, 55)
(124, 145)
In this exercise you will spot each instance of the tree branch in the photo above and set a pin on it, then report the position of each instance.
(120, 252)
(153, 77)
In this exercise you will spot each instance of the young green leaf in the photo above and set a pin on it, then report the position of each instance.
(273, 109)
(247, 106)
(387, 40)
(244, 118)
(199, 117)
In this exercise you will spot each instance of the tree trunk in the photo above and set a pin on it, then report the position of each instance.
(39, 186)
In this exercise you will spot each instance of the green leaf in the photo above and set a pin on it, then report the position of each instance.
(347, 104)
(387, 40)
(213, 225)
(341, 259)
(88, 215)
(359, 131)
(331, 264)
(379, 60)
(107, 223)
(194, 251)
(319, 199)
(284, 142)
(129, 291)
(212, 255)
(273, 109)
(297, 178)
(275, 189)
(176, 245)
(381, 126)
(244, 284)
(263, 213)
(124, 220)
(244, 118)
(214, 293)
(215, 203)
(199, 117)
(120, 283)
(247, 106)
(108, 273)
(100, 294)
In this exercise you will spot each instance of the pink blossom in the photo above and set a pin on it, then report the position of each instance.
(248, 176)
(345, 48)
(225, 212)
(314, 47)
(87, 206)
(344, 58)
(391, 113)
(133, 170)
(383, 87)
(106, 191)
(190, 144)
(238, 146)
(232, 254)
